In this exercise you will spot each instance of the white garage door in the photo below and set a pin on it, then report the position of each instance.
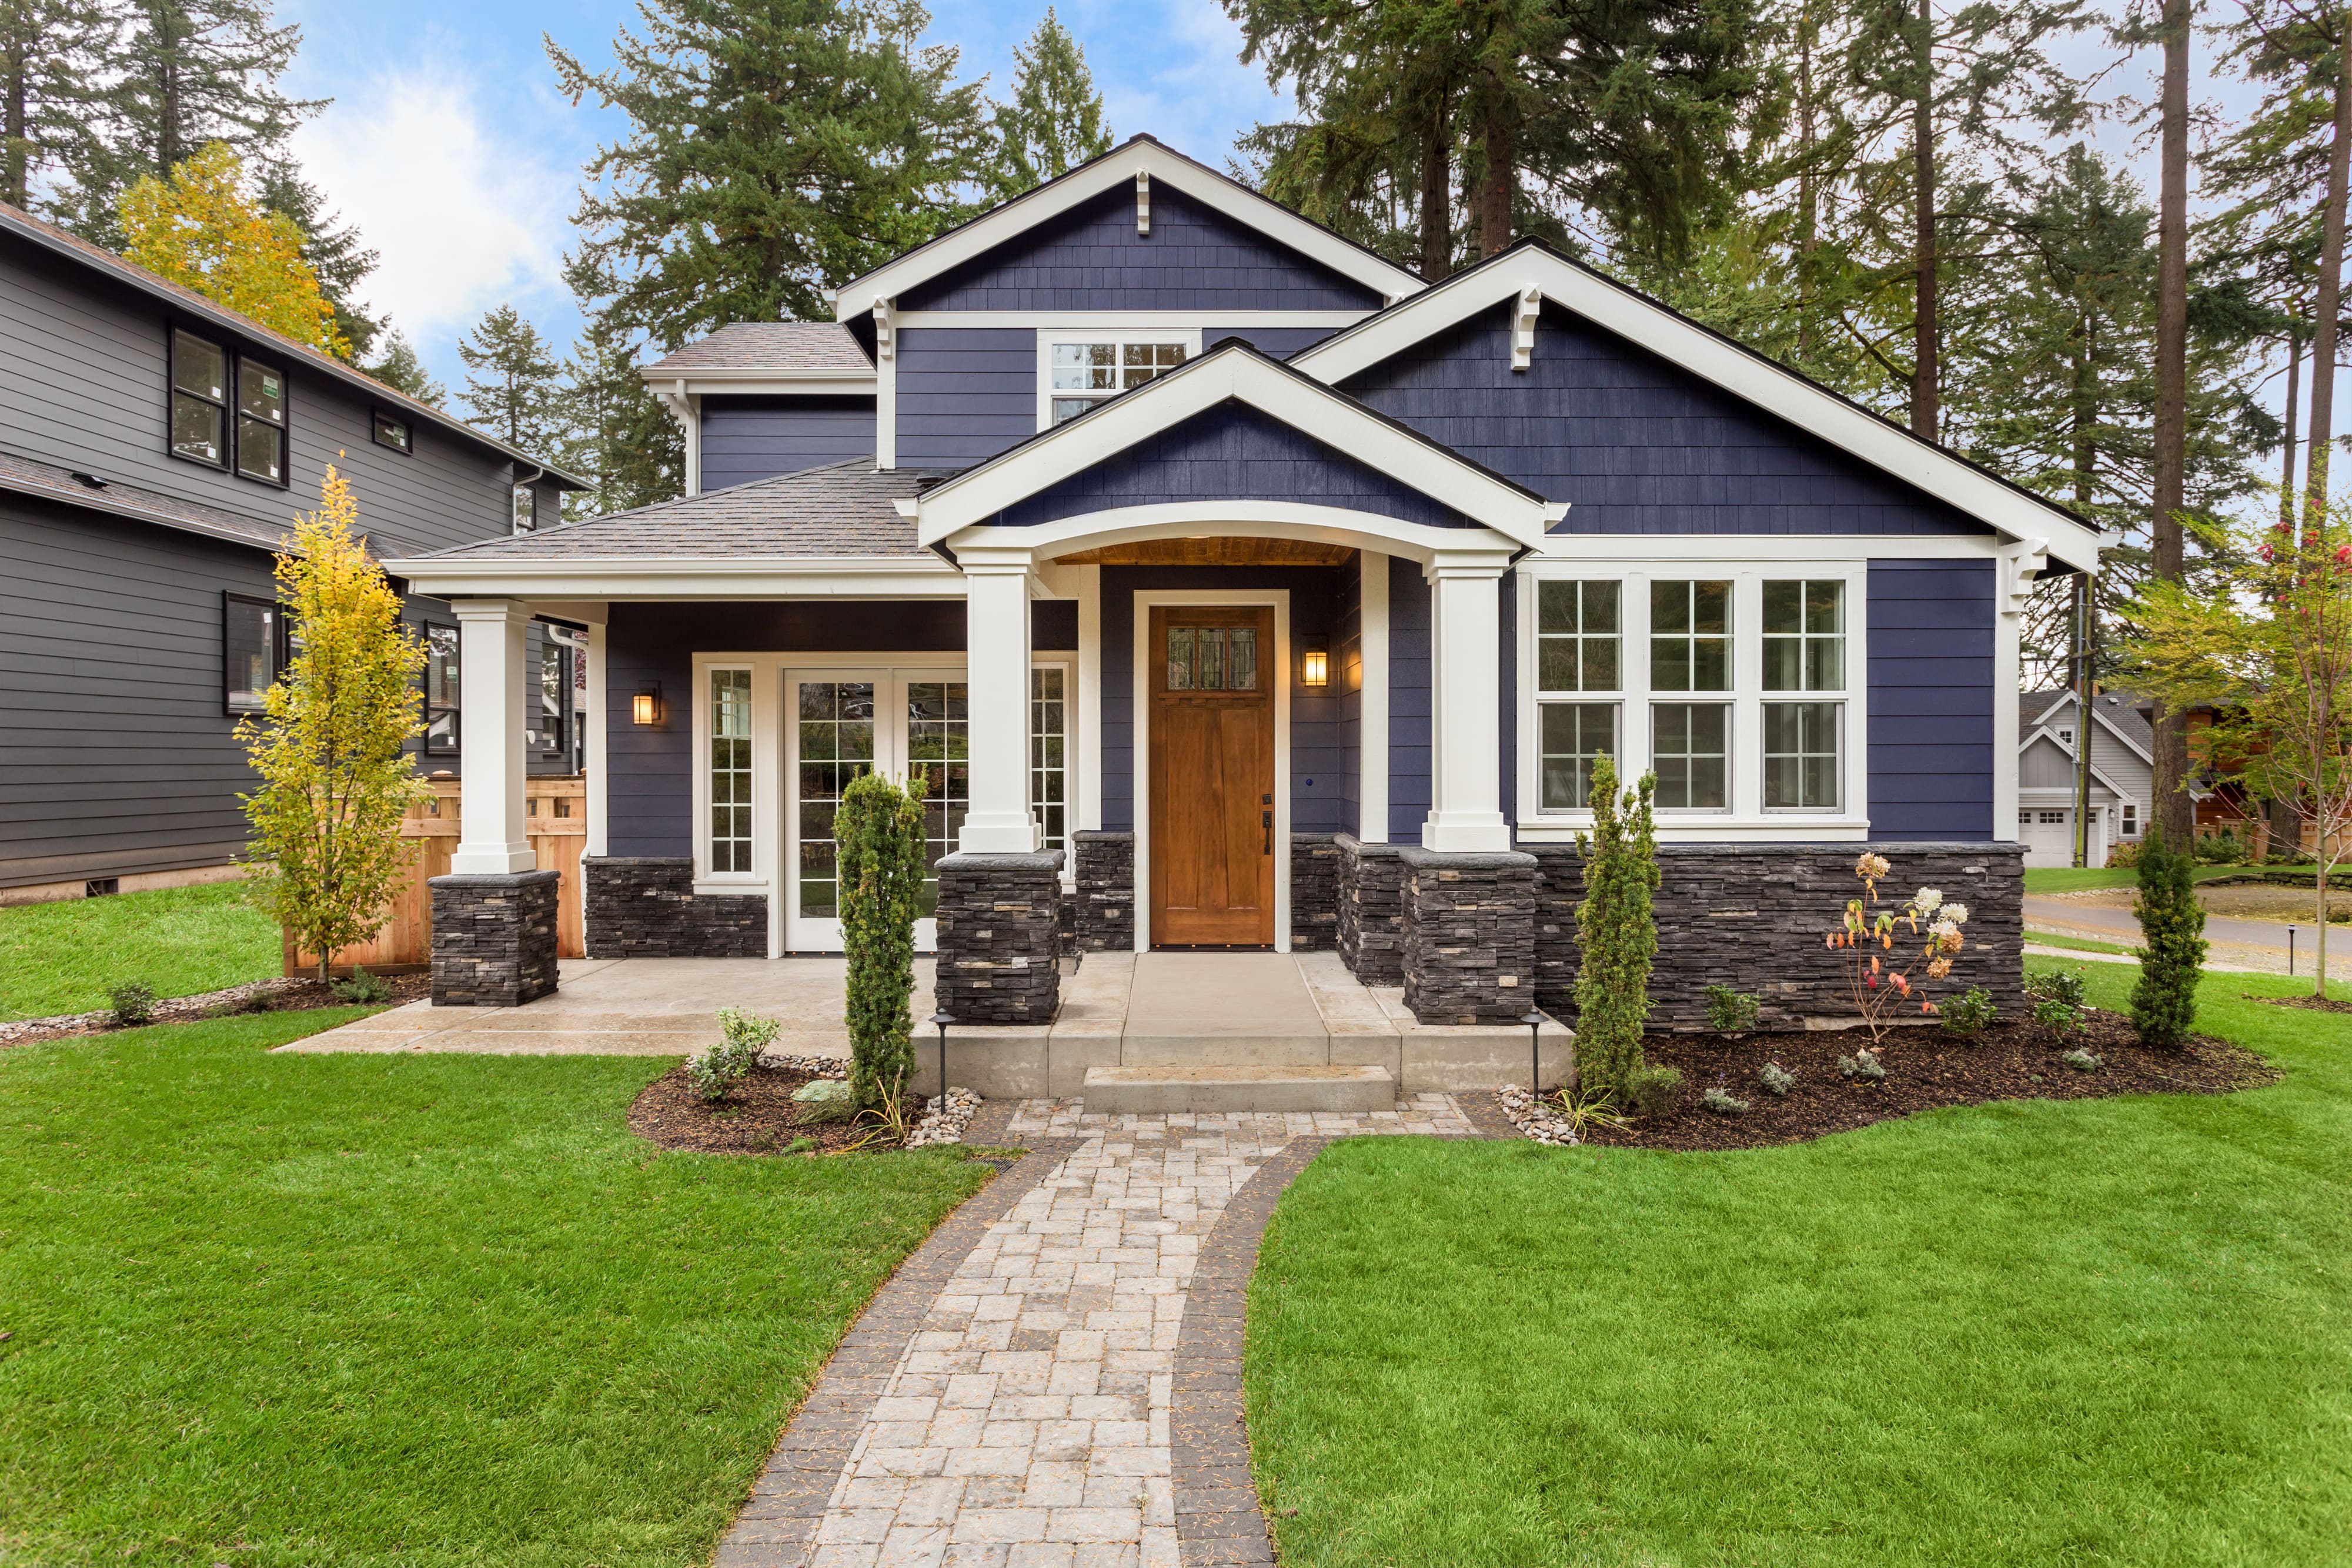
(2048, 836)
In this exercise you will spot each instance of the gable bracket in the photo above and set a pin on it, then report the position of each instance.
(1529, 306)
(2019, 563)
(1143, 200)
(885, 333)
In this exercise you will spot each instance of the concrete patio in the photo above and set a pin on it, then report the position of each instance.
(1199, 1019)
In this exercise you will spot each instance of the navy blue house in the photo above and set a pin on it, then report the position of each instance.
(1229, 586)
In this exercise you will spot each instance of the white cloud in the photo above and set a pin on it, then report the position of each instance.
(464, 213)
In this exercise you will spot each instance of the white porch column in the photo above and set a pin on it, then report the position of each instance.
(493, 840)
(1466, 813)
(996, 669)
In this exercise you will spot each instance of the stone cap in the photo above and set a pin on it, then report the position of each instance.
(503, 880)
(1015, 860)
(1355, 845)
(1892, 849)
(1102, 835)
(1476, 859)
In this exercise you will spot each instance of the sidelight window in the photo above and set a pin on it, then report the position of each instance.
(1049, 755)
(441, 689)
(730, 770)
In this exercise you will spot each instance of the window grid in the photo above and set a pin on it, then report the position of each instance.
(1048, 755)
(730, 770)
(938, 747)
(1083, 375)
(1801, 755)
(1570, 737)
(1212, 658)
(1690, 752)
(1804, 635)
(1690, 636)
(1578, 641)
(836, 721)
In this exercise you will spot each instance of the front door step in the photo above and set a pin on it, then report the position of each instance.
(1119, 1091)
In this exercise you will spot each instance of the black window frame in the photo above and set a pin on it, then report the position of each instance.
(232, 360)
(281, 648)
(377, 412)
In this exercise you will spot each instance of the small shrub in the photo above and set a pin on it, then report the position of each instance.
(2082, 1060)
(1862, 1066)
(2125, 855)
(2172, 957)
(363, 988)
(1722, 1103)
(742, 1036)
(1971, 1013)
(132, 1003)
(1729, 1011)
(1776, 1079)
(1587, 1114)
(2057, 986)
(2059, 1017)
(1651, 1091)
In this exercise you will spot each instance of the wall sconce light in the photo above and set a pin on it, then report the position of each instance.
(646, 707)
(1314, 668)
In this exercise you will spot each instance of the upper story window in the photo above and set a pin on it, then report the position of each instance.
(227, 411)
(526, 509)
(391, 430)
(1083, 375)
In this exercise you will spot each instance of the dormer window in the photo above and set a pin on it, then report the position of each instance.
(1080, 374)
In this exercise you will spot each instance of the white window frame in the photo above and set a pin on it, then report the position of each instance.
(1067, 663)
(1047, 337)
(1744, 818)
(763, 782)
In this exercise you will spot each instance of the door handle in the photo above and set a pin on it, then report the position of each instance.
(1266, 820)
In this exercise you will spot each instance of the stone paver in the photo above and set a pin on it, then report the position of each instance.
(1052, 1405)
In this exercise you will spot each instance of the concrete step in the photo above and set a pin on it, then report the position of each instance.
(1115, 1091)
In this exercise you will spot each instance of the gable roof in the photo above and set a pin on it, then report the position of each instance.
(2048, 738)
(72, 247)
(2115, 710)
(1235, 372)
(1119, 167)
(1532, 270)
(798, 347)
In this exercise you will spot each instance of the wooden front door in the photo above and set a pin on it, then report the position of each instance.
(1213, 674)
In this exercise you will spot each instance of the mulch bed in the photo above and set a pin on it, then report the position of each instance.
(756, 1117)
(1926, 1070)
(2316, 1004)
(270, 996)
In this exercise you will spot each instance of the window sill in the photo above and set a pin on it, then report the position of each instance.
(719, 886)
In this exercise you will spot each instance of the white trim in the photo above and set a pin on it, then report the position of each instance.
(2066, 699)
(780, 383)
(1089, 700)
(1236, 374)
(2043, 732)
(598, 744)
(1065, 661)
(1740, 372)
(1189, 339)
(494, 838)
(1255, 519)
(1146, 600)
(686, 576)
(1110, 172)
(686, 410)
(1708, 549)
(1143, 321)
(1372, 731)
(886, 414)
(761, 878)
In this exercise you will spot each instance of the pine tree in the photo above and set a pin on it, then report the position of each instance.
(1054, 121)
(513, 385)
(2172, 933)
(53, 55)
(201, 231)
(1618, 932)
(399, 368)
(617, 434)
(332, 246)
(776, 148)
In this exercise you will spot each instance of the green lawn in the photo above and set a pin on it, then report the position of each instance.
(63, 958)
(2089, 1332)
(325, 1311)
(2078, 944)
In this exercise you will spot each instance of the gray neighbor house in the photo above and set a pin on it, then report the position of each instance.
(153, 449)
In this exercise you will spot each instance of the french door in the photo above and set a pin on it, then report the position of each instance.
(840, 724)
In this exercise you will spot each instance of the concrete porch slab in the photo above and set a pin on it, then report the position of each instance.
(1149, 1091)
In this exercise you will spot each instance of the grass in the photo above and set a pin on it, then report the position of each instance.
(2099, 1331)
(63, 958)
(2077, 944)
(2084, 879)
(413, 1310)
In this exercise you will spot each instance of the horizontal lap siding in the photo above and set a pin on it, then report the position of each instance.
(1931, 700)
(82, 369)
(964, 393)
(748, 438)
(1409, 700)
(1091, 258)
(1635, 444)
(1231, 453)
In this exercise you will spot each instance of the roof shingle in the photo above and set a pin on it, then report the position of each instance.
(769, 346)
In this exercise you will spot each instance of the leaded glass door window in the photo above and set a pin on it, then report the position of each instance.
(834, 723)
(938, 747)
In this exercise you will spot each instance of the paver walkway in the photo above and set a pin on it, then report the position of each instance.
(1062, 1404)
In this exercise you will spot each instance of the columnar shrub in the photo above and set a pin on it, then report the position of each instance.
(2172, 929)
(1619, 936)
(879, 829)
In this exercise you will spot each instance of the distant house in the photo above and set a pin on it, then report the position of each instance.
(153, 449)
(2123, 773)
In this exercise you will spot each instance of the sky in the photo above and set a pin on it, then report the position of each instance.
(449, 146)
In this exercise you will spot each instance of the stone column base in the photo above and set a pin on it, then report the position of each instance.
(1314, 893)
(1104, 917)
(645, 906)
(493, 939)
(1371, 910)
(1469, 936)
(998, 916)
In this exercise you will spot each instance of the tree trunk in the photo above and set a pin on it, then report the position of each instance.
(2174, 809)
(13, 115)
(1809, 212)
(2087, 456)
(1436, 202)
(2320, 876)
(1499, 139)
(2287, 464)
(1925, 410)
(2329, 303)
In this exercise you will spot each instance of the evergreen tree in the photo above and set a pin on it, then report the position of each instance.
(1054, 121)
(52, 59)
(776, 149)
(399, 368)
(879, 829)
(332, 248)
(2172, 933)
(513, 386)
(1617, 931)
(617, 433)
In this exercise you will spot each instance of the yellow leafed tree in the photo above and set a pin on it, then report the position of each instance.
(327, 856)
(202, 232)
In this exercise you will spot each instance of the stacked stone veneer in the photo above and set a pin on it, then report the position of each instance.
(645, 907)
(1371, 910)
(999, 917)
(1469, 936)
(1753, 918)
(1102, 910)
(1314, 893)
(493, 939)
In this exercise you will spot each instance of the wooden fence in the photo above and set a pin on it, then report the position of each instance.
(556, 810)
